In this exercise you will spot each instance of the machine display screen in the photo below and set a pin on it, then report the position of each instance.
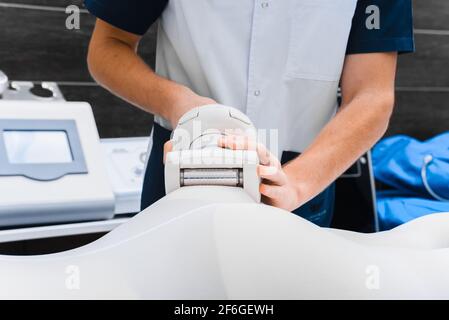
(37, 147)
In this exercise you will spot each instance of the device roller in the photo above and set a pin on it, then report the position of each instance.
(196, 158)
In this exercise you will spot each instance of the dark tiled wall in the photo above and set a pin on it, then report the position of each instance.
(35, 45)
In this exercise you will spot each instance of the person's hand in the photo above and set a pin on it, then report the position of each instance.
(277, 187)
(185, 101)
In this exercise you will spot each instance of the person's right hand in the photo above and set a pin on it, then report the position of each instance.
(186, 100)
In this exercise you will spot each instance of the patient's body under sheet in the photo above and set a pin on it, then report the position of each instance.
(216, 243)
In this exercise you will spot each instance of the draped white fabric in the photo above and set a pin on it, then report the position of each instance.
(216, 243)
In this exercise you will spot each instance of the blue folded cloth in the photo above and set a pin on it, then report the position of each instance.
(395, 208)
(400, 162)
(418, 173)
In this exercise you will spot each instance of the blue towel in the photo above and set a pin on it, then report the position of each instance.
(395, 208)
(417, 172)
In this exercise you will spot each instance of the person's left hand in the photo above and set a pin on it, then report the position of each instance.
(277, 186)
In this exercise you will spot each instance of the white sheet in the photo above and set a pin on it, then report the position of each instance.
(216, 243)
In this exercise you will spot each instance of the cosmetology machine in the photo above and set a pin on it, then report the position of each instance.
(218, 242)
(53, 166)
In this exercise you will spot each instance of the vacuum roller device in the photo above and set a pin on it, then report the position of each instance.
(197, 160)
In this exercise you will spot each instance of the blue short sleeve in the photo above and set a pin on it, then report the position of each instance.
(134, 16)
(382, 26)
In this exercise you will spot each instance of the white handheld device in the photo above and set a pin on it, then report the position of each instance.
(196, 158)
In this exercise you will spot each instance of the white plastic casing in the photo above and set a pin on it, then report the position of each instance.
(74, 197)
(125, 163)
(195, 146)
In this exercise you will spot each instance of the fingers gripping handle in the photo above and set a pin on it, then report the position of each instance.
(196, 158)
